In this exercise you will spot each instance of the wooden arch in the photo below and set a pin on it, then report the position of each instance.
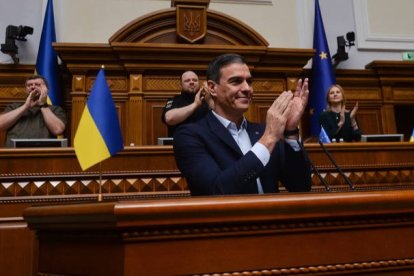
(161, 27)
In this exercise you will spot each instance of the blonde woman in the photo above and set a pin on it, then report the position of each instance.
(338, 122)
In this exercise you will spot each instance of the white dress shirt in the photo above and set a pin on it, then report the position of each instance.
(243, 141)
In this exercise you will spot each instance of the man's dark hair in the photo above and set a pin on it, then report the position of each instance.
(35, 77)
(214, 68)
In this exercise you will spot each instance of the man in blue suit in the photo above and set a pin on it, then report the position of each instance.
(223, 153)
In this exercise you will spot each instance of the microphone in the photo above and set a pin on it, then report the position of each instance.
(351, 185)
(314, 168)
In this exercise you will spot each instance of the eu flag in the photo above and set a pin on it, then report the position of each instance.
(322, 75)
(98, 136)
(47, 63)
(323, 136)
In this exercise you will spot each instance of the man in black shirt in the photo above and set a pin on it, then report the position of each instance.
(191, 105)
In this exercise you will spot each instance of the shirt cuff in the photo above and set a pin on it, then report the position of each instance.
(293, 143)
(261, 152)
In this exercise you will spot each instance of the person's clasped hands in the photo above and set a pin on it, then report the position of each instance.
(352, 115)
(286, 111)
(37, 96)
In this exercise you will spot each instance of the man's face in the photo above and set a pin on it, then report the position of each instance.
(234, 92)
(189, 82)
(34, 85)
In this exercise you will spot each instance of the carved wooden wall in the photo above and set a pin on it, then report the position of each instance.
(396, 79)
(144, 59)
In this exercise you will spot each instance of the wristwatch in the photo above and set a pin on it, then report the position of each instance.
(44, 105)
(291, 132)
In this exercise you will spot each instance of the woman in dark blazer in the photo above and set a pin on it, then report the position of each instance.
(338, 122)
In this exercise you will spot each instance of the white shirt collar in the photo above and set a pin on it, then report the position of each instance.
(229, 124)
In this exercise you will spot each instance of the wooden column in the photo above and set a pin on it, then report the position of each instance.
(135, 113)
(79, 98)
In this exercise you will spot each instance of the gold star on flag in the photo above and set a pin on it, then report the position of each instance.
(323, 55)
(312, 111)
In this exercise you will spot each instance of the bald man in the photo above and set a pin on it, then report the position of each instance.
(190, 106)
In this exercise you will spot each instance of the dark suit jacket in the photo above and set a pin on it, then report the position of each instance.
(213, 164)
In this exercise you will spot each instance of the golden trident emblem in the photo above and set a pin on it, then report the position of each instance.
(192, 23)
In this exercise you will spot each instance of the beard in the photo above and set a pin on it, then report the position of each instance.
(192, 90)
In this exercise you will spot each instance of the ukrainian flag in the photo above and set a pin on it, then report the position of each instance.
(412, 136)
(98, 136)
(47, 61)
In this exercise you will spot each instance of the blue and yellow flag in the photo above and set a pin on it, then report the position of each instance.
(98, 136)
(322, 73)
(412, 136)
(47, 62)
(323, 136)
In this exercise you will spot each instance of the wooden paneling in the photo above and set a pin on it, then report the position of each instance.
(139, 98)
(18, 248)
(306, 234)
(140, 104)
(47, 172)
(2, 138)
(153, 127)
(370, 121)
(52, 176)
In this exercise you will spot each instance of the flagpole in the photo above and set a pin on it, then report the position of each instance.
(100, 198)
(100, 170)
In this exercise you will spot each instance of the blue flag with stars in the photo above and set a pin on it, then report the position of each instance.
(322, 75)
(323, 136)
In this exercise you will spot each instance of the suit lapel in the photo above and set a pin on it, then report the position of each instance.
(254, 132)
(222, 133)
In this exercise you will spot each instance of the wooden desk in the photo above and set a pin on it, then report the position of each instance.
(152, 169)
(53, 176)
(303, 234)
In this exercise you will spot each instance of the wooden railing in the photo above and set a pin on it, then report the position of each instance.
(152, 169)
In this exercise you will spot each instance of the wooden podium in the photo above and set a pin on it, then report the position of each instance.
(303, 234)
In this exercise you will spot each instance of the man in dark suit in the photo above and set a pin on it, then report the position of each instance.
(223, 153)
